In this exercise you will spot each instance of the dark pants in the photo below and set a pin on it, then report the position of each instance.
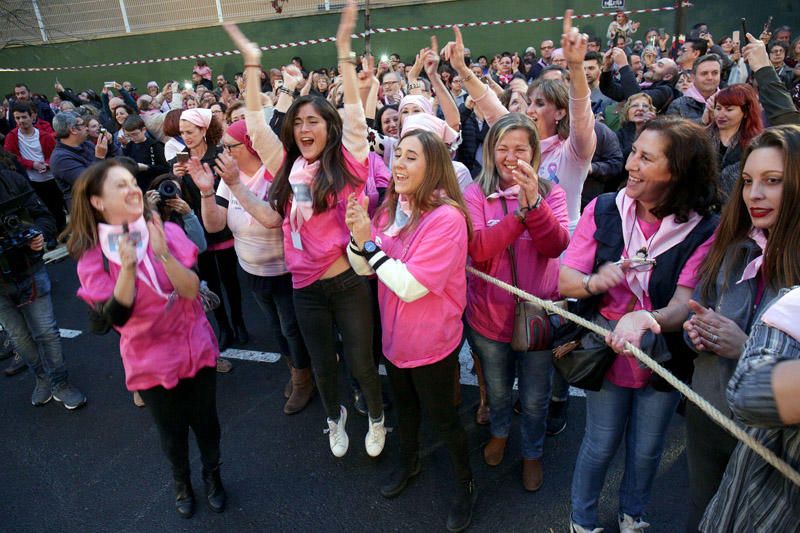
(191, 403)
(708, 449)
(273, 295)
(431, 387)
(52, 197)
(343, 301)
(219, 268)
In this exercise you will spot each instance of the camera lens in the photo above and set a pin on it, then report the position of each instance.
(168, 190)
(12, 222)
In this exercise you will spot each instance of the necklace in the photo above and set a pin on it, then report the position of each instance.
(641, 253)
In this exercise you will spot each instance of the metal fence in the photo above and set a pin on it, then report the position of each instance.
(45, 21)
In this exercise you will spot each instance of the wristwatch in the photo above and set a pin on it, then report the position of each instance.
(370, 247)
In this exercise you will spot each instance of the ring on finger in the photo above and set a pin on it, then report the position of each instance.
(713, 339)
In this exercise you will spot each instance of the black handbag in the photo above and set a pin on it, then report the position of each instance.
(584, 360)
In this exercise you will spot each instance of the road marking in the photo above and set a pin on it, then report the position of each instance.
(69, 333)
(251, 355)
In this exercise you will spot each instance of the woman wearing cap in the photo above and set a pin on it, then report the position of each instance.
(201, 133)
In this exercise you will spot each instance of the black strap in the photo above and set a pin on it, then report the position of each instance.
(511, 252)
(105, 263)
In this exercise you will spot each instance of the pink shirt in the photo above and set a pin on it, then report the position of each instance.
(205, 72)
(426, 330)
(324, 236)
(619, 300)
(379, 176)
(159, 346)
(537, 245)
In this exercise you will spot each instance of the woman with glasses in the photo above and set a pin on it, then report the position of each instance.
(754, 256)
(636, 112)
(636, 255)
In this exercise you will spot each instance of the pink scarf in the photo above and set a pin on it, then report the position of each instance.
(694, 94)
(109, 236)
(199, 117)
(257, 184)
(783, 314)
(511, 193)
(301, 178)
(402, 214)
(431, 123)
(669, 234)
(754, 266)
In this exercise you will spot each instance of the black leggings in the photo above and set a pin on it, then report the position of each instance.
(221, 266)
(343, 301)
(431, 387)
(191, 403)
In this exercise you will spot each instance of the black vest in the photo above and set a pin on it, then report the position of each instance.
(664, 277)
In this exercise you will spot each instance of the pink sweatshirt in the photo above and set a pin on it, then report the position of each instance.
(566, 162)
(159, 346)
(537, 245)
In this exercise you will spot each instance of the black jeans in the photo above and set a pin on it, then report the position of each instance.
(708, 450)
(273, 295)
(191, 403)
(219, 268)
(430, 387)
(343, 301)
(52, 197)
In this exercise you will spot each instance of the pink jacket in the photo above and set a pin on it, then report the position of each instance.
(565, 162)
(537, 246)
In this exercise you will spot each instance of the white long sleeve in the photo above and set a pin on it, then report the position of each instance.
(391, 272)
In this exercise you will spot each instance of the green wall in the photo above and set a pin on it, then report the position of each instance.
(723, 17)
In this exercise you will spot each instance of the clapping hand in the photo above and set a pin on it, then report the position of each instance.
(201, 174)
(712, 332)
(357, 219)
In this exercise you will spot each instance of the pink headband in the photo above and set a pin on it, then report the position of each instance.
(238, 130)
(198, 117)
(417, 99)
(435, 125)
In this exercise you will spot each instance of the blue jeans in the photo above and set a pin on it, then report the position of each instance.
(32, 327)
(273, 295)
(500, 366)
(642, 416)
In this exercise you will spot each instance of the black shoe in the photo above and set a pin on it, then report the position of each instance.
(399, 478)
(242, 336)
(17, 365)
(461, 509)
(557, 417)
(184, 498)
(225, 338)
(215, 492)
(359, 403)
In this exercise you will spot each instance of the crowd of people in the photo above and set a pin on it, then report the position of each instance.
(646, 184)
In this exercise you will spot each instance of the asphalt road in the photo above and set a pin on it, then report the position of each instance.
(101, 469)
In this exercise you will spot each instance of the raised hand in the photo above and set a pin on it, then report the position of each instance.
(227, 169)
(250, 51)
(573, 42)
(201, 174)
(431, 59)
(453, 52)
(347, 24)
(292, 77)
(357, 219)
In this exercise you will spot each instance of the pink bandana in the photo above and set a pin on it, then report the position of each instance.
(402, 214)
(199, 117)
(301, 178)
(669, 234)
(109, 236)
(783, 314)
(431, 123)
(511, 193)
(754, 266)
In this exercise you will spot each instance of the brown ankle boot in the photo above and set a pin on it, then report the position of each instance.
(302, 391)
(532, 476)
(494, 451)
(482, 414)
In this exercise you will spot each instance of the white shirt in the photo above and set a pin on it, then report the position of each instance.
(30, 148)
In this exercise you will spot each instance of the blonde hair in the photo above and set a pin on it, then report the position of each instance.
(629, 103)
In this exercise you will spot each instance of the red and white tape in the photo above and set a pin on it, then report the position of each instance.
(321, 40)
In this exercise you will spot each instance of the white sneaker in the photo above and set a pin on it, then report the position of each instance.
(627, 524)
(575, 528)
(376, 437)
(337, 434)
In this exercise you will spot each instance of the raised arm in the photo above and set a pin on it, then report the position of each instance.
(258, 208)
(354, 134)
(582, 139)
(446, 101)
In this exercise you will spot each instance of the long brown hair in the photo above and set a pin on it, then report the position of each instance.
(333, 174)
(81, 232)
(439, 176)
(782, 254)
(489, 178)
(557, 93)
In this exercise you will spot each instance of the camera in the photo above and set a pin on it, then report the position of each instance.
(168, 190)
(16, 233)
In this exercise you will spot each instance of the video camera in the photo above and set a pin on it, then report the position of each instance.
(16, 233)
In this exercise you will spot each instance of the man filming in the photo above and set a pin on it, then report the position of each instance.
(26, 309)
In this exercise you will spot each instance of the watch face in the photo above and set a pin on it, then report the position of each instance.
(370, 247)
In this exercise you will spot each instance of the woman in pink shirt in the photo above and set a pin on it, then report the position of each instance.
(325, 161)
(520, 229)
(636, 255)
(417, 246)
(137, 273)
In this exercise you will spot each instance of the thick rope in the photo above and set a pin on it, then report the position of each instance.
(729, 425)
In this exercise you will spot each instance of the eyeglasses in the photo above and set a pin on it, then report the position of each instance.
(636, 264)
(79, 125)
(642, 105)
(389, 83)
(231, 146)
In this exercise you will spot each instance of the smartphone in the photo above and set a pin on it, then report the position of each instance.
(182, 157)
(736, 37)
(110, 84)
(187, 85)
(744, 27)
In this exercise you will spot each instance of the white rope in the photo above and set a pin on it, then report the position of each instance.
(729, 425)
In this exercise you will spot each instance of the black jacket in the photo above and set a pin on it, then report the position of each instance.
(150, 153)
(472, 137)
(662, 92)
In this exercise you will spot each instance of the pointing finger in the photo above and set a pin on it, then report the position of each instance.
(567, 21)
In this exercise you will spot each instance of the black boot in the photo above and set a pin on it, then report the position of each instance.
(184, 498)
(241, 333)
(399, 478)
(225, 338)
(461, 509)
(215, 492)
